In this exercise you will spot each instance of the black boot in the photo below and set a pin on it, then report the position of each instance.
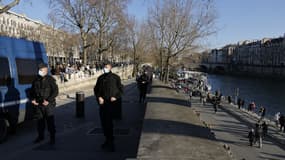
(52, 140)
(38, 139)
(104, 145)
(108, 146)
(111, 147)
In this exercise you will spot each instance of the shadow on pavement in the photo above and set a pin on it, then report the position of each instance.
(180, 102)
(176, 128)
(72, 130)
(268, 156)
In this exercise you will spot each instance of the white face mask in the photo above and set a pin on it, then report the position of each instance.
(42, 73)
(106, 70)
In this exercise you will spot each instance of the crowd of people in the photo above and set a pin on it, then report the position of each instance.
(65, 72)
(257, 134)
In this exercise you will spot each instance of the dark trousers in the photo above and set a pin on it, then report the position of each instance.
(106, 118)
(49, 120)
(281, 127)
(143, 90)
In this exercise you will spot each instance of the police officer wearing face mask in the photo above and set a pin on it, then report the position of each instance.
(43, 93)
(108, 91)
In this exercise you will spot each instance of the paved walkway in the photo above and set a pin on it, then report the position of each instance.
(231, 127)
(172, 131)
(74, 137)
(252, 118)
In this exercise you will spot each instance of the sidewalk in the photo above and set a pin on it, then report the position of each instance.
(230, 126)
(252, 118)
(81, 138)
(171, 130)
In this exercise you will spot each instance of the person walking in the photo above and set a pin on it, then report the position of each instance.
(242, 103)
(239, 103)
(262, 112)
(258, 134)
(43, 93)
(142, 85)
(264, 129)
(215, 103)
(251, 137)
(229, 99)
(282, 122)
(108, 91)
(276, 118)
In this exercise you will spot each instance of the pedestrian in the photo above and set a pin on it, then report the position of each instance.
(204, 94)
(264, 129)
(249, 107)
(53, 70)
(276, 118)
(253, 107)
(251, 137)
(239, 103)
(142, 85)
(229, 99)
(61, 73)
(215, 103)
(262, 112)
(108, 90)
(282, 122)
(43, 93)
(216, 93)
(242, 103)
(209, 97)
(258, 134)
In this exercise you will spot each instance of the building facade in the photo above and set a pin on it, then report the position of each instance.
(260, 56)
(60, 46)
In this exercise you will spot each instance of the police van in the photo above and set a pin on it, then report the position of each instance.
(19, 59)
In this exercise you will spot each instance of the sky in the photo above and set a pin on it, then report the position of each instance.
(237, 20)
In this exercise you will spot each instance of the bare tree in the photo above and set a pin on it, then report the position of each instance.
(97, 18)
(75, 15)
(140, 43)
(8, 6)
(134, 40)
(109, 17)
(177, 27)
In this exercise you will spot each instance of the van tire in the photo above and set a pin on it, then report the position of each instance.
(3, 130)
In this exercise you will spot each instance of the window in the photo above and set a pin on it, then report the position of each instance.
(4, 71)
(27, 70)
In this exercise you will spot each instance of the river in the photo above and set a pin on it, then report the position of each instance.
(266, 92)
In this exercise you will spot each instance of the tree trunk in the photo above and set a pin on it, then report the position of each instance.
(84, 52)
(135, 62)
(84, 41)
(166, 77)
(161, 66)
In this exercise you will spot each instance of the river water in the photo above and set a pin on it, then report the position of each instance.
(266, 92)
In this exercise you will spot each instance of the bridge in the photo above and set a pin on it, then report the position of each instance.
(216, 67)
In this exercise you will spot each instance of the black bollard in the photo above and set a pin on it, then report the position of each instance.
(80, 113)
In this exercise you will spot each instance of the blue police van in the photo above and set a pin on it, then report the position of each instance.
(19, 59)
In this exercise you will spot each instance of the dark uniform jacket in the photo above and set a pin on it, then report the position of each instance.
(108, 85)
(143, 80)
(44, 88)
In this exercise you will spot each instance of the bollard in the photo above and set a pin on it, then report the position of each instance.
(80, 104)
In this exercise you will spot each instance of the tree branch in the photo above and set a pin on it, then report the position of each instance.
(9, 6)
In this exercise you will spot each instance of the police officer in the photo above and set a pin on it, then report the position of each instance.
(108, 91)
(43, 93)
(142, 85)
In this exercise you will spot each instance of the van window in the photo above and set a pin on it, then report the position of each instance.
(27, 70)
(4, 71)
